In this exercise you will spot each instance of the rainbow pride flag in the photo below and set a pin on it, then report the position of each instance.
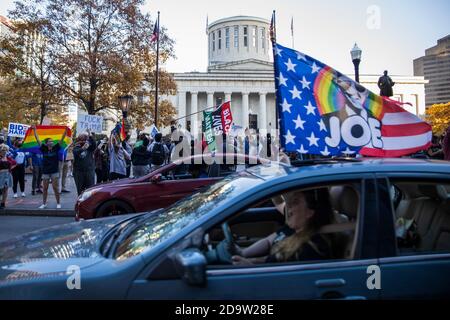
(330, 96)
(54, 132)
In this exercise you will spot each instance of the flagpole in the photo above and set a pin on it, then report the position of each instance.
(273, 39)
(292, 33)
(157, 74)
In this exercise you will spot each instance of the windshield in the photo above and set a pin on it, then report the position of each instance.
(160, 227)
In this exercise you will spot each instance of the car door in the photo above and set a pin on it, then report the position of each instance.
(160, 194)
(423, 271)
(345, 279)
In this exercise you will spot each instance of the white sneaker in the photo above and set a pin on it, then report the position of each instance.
(15, 195)
(43, 206)
(23, 194)
(58, 206)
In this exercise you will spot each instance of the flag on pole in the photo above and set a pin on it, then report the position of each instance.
(216, 123)
(326, 113)
(155, 34)
(123, 133)
(272, 28)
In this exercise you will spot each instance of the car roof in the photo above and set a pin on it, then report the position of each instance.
(276, 170)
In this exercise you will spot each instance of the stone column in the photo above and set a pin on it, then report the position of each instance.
(262, 116)
(194, 109)
(182, 108)
(210, 100)
(227, 96)
(245, 110)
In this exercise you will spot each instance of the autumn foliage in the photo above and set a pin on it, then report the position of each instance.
(438, 115)
(89, 53)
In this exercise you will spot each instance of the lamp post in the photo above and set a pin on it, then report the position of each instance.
(124, 104)
(356, 58)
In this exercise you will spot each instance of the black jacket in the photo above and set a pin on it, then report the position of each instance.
(84, 159)
(140, 156)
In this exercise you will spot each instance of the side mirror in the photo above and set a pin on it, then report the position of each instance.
(191, 266)
(156, 179)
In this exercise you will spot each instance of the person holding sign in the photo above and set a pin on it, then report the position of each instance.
(50, 166)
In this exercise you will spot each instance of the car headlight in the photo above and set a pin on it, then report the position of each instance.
(87, 194)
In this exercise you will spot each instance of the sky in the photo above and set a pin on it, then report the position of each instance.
(391, 33)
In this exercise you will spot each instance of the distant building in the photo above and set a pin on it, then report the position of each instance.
(435, 67)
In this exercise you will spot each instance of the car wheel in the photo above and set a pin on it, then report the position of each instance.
(113, 208)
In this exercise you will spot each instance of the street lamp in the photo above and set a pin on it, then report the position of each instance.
(356, 58)
(124, 104)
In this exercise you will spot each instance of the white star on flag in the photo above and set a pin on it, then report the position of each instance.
(286, 106)
(325, 152)
(310, 109)
(322, 125)
(314, 68)
(278, 51)
(299, 123)
(302, 150)
(312, 140)
(348, 151)
(305, 83)
(290, 66)
(301, 56)
(282, 80)
(295, 93)
(289, 138)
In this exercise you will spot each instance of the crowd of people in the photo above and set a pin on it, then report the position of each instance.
(92, 159)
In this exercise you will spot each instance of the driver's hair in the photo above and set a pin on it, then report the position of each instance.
(317, 200)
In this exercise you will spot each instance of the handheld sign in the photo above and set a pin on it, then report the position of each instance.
(17, 130)
(86, 121)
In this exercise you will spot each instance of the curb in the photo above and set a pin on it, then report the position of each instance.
(38, 213)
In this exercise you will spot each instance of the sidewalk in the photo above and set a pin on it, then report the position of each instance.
(28, 206)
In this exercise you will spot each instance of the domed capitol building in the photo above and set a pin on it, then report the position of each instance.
(240, 70)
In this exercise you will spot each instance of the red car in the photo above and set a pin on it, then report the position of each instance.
(160, 188)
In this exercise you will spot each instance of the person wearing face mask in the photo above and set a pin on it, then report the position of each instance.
(84, 162)
(50, 166)
(299, 240)
(18, 173)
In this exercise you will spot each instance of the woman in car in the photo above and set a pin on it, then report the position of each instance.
(306, 212)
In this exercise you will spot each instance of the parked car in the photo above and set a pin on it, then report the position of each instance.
(160, 188)
(392, 217)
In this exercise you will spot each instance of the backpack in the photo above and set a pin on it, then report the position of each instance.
(158, 154)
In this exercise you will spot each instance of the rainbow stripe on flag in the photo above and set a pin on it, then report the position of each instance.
(44, 132)
(330, 98)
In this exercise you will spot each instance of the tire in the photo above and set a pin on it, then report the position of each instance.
(113, 208)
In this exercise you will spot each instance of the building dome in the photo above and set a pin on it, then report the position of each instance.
(238, 38)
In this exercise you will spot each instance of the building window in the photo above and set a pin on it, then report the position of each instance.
(214, 41)
(236, 36)
(220, 40)
(227, 38)
(263, 38)
(254, 36)
(245, 36)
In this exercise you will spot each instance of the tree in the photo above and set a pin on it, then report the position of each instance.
(101, 49)
(438, 115)
(29, 90)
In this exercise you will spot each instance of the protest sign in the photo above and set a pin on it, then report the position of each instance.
(17, 130)
(86, 121)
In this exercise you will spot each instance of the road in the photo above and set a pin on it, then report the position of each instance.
(11, 226)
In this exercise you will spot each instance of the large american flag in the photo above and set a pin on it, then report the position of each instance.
(323, 112)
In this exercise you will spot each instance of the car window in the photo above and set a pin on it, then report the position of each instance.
(165, 224)
(296, 226)
(422, 217)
